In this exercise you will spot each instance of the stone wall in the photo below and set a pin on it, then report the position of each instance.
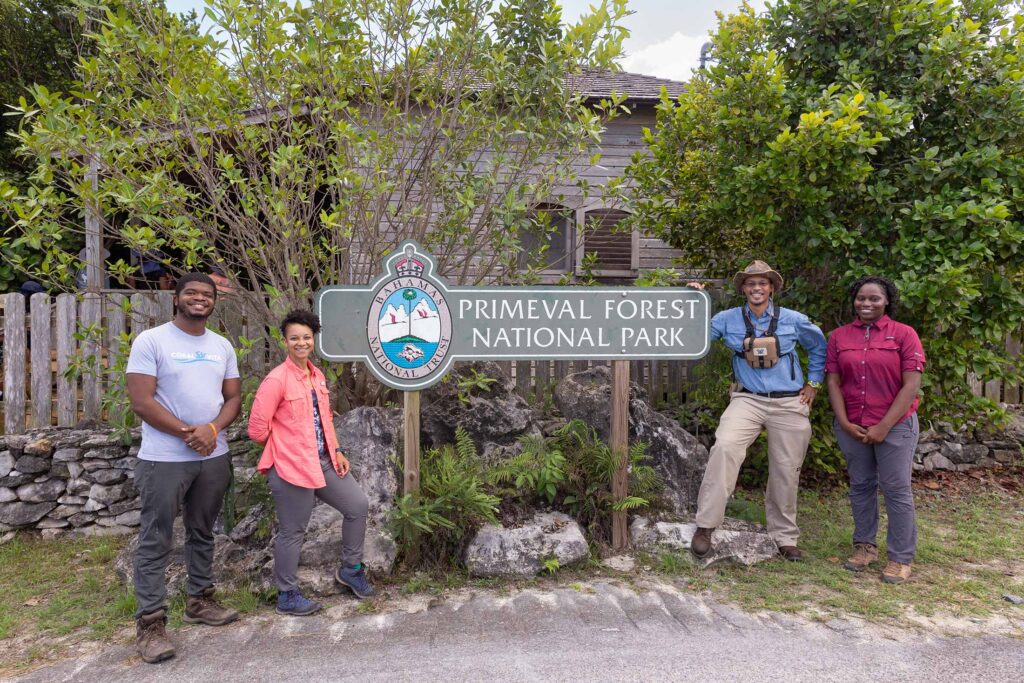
(943, 447)
(67, 480)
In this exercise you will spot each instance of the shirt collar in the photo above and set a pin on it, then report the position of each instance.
(881, 323)
(297, 371)
(767, 312)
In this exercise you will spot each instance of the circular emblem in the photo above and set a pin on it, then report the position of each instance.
(409, 325)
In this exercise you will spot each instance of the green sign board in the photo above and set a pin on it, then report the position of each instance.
(409, 326)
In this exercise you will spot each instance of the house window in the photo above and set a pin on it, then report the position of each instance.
(616, 251)
(551, 226)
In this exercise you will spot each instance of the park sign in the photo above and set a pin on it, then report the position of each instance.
(410, 326)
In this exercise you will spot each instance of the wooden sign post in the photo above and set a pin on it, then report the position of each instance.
(620, 449)
(411, 443)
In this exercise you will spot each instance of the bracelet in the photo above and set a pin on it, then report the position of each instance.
(214, 428)
(814, 385)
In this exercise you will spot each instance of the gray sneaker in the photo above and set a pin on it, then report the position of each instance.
(356, 581)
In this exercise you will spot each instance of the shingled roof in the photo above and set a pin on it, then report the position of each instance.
(595, 84)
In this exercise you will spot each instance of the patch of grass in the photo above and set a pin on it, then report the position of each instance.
(56, 588)
(968, 556)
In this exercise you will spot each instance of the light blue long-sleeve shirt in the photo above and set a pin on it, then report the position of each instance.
(794, 328)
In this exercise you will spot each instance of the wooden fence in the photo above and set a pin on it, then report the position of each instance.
(61, 357)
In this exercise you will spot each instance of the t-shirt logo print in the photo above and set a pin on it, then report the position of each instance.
(409, 324)
(196, 357)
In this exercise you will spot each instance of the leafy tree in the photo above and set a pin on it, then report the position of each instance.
(836, 138)
(294, 144)
(39, 42)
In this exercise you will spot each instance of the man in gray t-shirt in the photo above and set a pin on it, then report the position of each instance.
(184, 385)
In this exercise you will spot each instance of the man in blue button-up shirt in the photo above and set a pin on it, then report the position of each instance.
(774, 398)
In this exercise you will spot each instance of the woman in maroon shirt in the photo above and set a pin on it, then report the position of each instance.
(874, 368)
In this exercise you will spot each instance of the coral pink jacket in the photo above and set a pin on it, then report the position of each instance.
(282, 418)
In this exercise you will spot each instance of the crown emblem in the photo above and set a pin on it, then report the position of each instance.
(409, 265)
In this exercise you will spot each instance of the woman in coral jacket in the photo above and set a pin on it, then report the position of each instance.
(291, 415)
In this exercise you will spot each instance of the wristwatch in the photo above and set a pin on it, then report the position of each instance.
(814, 385)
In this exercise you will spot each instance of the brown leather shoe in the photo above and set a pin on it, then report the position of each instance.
(700, 544)
(203, 609)
(151, 637)
(863, 555)
(895, 572)
(791, 553)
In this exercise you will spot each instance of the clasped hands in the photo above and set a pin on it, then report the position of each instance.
(200, 438)
(875, 434)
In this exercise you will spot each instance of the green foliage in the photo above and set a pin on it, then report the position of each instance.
(836, 139)
(295, 143)
(433, 525)
(552, 565)
(539, 468)
(476, 381)
(589, 467)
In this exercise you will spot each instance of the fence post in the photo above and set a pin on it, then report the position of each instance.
(42, 377)
(67, 388)
(115, 328)
(92, 377)
(14, 363)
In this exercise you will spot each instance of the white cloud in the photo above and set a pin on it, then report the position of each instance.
(676, 57)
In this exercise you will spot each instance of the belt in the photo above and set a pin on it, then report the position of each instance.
(771, 394)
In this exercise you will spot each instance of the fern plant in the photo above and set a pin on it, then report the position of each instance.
(432, 526)
(539, 468)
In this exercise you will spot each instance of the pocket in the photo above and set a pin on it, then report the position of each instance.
(296, 403)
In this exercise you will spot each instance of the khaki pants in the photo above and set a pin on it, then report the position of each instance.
(789, 432)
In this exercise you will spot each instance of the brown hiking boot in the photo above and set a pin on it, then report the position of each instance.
(895, 572)
(151, 637)
(791, 553)
(700, 544)
(863, 555)
(203, 609)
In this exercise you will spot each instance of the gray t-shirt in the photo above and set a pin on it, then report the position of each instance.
(190, 373)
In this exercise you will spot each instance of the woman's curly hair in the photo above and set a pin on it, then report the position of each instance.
(891, 293)
(301, 317)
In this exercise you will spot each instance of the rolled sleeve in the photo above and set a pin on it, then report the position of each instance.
(812, 339)
(264, 405)
(911, 353)
(832, 355)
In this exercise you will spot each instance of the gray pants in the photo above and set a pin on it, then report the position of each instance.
(166, 488)
(295, 505)
(888, 466)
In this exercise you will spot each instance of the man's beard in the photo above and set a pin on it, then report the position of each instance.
(193, 316)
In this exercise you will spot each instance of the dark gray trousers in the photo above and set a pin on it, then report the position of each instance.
(166, 488)
(294, 506)
(888, 466)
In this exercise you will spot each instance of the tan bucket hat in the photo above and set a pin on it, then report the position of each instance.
(758, 268)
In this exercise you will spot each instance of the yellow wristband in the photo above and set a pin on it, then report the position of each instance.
(214, 428)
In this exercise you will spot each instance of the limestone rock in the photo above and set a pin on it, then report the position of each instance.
(16, 443)
(521, 552)
(937, 461)
(15, 478)
(370, 439)
(31, 464)
(39, 447)
(973, 452)
(7, 495)
(494, 418)
(107, 477)
(49, 490)
(22, 514)
(6, 463)
(105, 495)
(67, 454)
(674, 453)
(734, 542)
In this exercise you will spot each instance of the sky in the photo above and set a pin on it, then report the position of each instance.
(665, 35)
